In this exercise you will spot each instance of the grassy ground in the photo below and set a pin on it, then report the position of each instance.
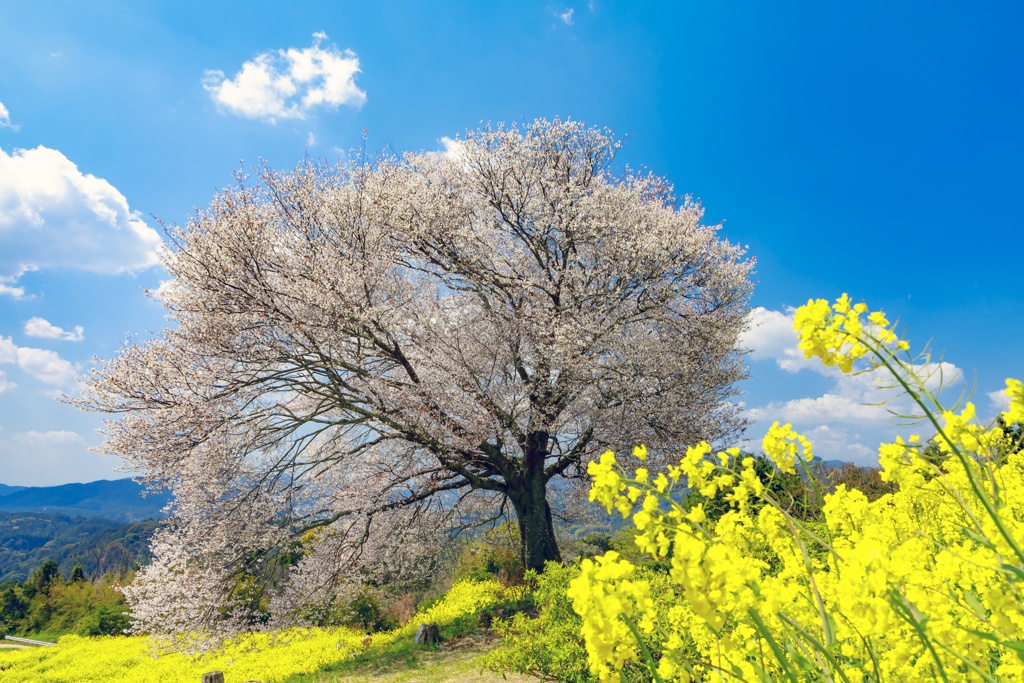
(456, 660)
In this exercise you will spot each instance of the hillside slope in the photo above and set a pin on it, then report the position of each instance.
(28, 539)
(119, 500)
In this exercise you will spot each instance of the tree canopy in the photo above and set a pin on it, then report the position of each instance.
(367, 357)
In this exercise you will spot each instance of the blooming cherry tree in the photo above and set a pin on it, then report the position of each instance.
(365, 358)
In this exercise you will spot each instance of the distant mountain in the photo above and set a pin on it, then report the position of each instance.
(834, 464)
(4, 489)
(829, 464)
(119, 500)
(28, 539)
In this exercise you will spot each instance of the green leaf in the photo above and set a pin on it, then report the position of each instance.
(1016, 645)
(1016, 574)
(979, 539)
(974, 603)
(831, 635)
(761, 673)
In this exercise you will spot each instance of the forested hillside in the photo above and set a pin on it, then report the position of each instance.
(28, 539)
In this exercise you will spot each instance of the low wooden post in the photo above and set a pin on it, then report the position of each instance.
(213, 677)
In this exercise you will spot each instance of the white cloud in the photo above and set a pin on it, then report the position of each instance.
(566, 16)
(4, 384)
(771, 337)
(855, 398)
(862, 401)
(53, 216)
(8, 351)
(46, 366)
(311, 140)
(5, 118)
(159, 293)
(827, 407)
(45, 438)
(289, 83)
(453, 149)
(999, 400)
(838, 444)
(16, 292)
(38, 327)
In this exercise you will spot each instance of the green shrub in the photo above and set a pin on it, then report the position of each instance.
(493, 554)
(550, 646)
(105, 621)
(543, 639)
(367, 614)
(600, 540)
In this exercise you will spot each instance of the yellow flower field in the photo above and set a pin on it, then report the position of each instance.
(110, 660)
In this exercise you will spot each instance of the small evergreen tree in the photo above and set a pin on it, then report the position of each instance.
(77, 574)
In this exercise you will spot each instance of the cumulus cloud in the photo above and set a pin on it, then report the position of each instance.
(310, 140)
(5, 118)
(4, 384)
(566, 17)
(827, 407)
(46, 366)
(288, 84)
(867, 401)
(862, 397)
(38, 327)
(54, 216)
(771, 337)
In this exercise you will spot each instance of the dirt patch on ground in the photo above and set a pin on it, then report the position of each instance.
(13, 646)
(456, 661)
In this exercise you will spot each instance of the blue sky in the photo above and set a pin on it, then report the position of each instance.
(872, 149)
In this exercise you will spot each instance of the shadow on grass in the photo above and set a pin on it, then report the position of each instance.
(403, 654)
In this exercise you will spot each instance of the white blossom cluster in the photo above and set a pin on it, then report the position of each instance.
(366, 358)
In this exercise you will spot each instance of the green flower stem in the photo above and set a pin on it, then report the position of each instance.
(815, 644)
(877, 349)
(643, 648)
(780, 656)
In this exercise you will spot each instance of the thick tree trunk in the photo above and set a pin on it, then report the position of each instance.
(536, 530)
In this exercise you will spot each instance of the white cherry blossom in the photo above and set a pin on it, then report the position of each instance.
(365, 359)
